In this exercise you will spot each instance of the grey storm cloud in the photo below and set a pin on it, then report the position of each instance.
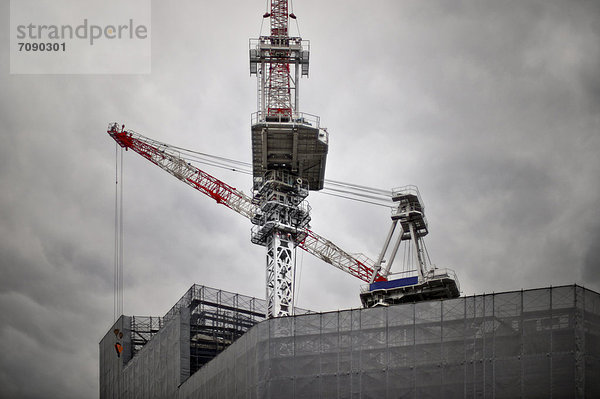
(490, 107)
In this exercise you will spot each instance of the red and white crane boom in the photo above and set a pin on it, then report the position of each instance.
(169, 159)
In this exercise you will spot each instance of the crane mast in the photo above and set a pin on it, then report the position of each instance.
(289, 151)
(277, 75)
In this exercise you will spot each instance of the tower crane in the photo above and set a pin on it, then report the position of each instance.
(289, 152)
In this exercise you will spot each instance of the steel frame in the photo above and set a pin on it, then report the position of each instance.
(280, 225)
(169, 159)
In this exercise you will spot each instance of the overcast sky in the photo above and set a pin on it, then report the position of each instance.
(492, 108)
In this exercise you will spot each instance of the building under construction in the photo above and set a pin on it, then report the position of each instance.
(542, 343)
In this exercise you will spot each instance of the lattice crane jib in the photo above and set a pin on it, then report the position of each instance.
(295, 232)
(169, 159)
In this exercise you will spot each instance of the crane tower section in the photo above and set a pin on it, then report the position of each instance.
(289, 152)
(282, 136)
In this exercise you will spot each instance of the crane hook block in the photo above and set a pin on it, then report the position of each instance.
(118, 348)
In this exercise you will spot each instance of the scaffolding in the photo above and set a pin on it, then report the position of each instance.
(143, 328)
(531, 343)
(217, 319)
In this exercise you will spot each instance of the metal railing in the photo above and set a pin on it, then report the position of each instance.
(408, 189)
(431, 274)
(435, 273)
(298, 118)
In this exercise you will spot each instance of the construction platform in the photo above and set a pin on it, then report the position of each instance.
(530, 343)
(437, 284)
(296, 144)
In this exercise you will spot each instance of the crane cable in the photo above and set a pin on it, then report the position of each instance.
(118, 243)
(336, 188)
(116, 235)
(297, 284)
(295, 19)
(263, 19)
(121, 246)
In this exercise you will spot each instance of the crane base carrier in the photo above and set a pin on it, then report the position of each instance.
(423, 281)
(437, 284)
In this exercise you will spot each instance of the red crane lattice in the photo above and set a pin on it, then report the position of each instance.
(169, 159)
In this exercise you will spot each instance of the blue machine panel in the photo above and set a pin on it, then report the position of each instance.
(401, 282)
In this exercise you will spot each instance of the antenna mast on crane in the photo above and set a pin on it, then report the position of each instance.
(289, 151)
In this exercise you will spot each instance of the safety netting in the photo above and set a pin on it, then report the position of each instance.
(530, 343)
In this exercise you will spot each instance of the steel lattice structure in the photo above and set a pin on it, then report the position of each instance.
(279, 162)
(273, 58)
(277, 88)
(169, 159)
(357, 265)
